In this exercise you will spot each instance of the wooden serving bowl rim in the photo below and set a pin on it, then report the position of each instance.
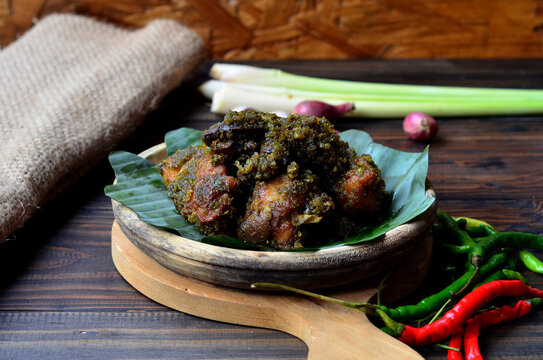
(168, 248)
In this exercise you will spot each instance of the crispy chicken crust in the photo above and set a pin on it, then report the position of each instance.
(201, 191)
(361, 190)
(281, 208)
(279, 182)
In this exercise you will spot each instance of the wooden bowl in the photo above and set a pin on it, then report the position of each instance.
(309, 270)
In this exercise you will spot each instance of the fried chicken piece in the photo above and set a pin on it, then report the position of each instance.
(282, 210)
(280, 182)
(239, 134)
(201, 190)
(361, 190)
(258, 146)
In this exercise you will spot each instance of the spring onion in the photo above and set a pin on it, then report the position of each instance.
(264, 89)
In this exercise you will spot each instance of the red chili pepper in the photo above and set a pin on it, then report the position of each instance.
(456, 343)
(489, 318)
(459, 314)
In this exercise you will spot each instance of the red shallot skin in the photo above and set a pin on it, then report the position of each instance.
(322, 109)
(420, 127)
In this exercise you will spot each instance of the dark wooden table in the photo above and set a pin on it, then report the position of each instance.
(61, 297)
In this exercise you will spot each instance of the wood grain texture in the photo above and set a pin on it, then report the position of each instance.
(61, 297)
(319, 29)
(330, 332)
(136, 335)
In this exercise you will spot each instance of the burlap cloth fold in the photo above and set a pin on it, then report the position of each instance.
(70, 89)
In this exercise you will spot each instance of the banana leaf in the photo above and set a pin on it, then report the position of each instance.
(141, 188)
(405, 179)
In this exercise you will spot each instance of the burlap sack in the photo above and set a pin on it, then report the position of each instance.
(70, 89)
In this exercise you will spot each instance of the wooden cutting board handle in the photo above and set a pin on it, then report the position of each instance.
(329, 331)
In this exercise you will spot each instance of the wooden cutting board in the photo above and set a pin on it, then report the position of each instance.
(330, 331)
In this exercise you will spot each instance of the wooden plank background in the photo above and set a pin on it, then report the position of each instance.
(319, 29)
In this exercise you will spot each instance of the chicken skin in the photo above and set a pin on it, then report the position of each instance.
(200, 190)
(280, 210)
(361, 190)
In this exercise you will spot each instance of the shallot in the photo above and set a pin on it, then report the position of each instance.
(419, 126)
(322, 109)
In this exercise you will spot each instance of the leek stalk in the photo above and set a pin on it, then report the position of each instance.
(275, 90)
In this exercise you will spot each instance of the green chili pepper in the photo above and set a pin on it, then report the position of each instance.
(481, 232)
(512, 259)
(492, 240)
(475, 252)
(462, 223)
(432, 303)
(496, 275)
(513, 275)
(470, 224)
(510, 264)
(477, 232)
(531, 261)
(507, 272)
(503, 274)
(516, 240)
(453, 249)
(488, 240)
(488, 230)
(442, 238)
(450, 224)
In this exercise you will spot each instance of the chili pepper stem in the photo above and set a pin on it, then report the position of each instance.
(364, 307)
(470, 280)
(455, 345)
(382, 285)
(535, 302)
(395, 328)
(447, 347)
(476, 260)
(440, 311)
